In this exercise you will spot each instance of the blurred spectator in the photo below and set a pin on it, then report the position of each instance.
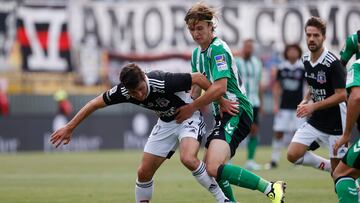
(250, 74)
(64, 109)
(4, 102)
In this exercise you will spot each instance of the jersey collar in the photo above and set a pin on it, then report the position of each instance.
(320, 59)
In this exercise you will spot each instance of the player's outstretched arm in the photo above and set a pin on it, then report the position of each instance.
(63, 135)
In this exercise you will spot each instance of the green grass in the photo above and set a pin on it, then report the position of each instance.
(108, 176)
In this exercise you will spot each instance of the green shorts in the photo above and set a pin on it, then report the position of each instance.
(352, 156)
(232, 129)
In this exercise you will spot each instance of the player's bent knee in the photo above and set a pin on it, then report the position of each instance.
(212, 169)
(190, 161)
(144, 175)
(292, 157)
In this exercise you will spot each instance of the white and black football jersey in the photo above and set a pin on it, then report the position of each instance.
(167, 92)
(291, 79)
(323, 77)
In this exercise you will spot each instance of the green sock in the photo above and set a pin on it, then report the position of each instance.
(242, 177)
(251, 147)
(226, 188)
(346, 190)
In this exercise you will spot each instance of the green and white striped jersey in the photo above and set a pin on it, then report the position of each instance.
(217, 62)
(350, 48)
(250, 73)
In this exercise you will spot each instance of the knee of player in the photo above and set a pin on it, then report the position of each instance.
(190, 161)
(212, 169)
(292, 157)
(144, 175)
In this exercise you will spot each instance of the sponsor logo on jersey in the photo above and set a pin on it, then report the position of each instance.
(312, 76)
(221, 62)
(321, 77)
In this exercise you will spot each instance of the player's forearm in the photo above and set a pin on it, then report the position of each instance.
(338, 97)
(213, 93)
(200, 80)
(85, 111)
(353, 110)
(306, 96)
(276, 93)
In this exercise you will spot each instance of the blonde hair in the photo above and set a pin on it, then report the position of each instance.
(200, 12)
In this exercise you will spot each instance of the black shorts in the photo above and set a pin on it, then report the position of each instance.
(256, 115)
(232, 129)
(358, 124)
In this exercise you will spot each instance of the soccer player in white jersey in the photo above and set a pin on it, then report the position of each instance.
(323, 104)
(163, 93)
(214, 59)
(250, 71)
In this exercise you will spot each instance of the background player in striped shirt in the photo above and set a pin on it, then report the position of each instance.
(250, 71)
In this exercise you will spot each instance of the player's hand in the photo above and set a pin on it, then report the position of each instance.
(228, 106)
(340, 142)
(184, 113)
(61, 136)
(304, 110)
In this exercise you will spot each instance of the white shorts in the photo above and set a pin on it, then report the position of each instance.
(165, 137)
(306, 134)
(286, 121)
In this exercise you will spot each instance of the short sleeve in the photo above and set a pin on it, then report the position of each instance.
(220, 63)
(348, 50)
(115, 95)
(177, 82)
(338, 75)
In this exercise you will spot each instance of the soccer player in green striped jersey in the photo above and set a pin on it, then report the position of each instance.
(349, 168)
(351, 47)
(250, 72)
(214, 59)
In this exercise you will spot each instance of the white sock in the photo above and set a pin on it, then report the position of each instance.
(208, 182)
(311, 159)
(143, 191)
(277, 145)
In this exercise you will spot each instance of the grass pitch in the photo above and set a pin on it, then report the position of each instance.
(109, 176)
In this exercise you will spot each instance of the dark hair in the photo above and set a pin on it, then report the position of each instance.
(290, 46)
(131, 75)
(318, 23)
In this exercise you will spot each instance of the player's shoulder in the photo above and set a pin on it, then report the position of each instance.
(155, 75)
(331, 58)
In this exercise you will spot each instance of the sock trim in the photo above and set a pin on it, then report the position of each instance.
(144, 184)
(200, 169)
